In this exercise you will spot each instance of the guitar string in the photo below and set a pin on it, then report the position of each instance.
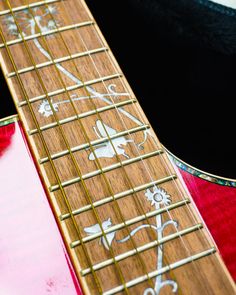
(51, 162)
(177, 184)
(80, 38)
(58, 179)
(100, 167)
(72, 156)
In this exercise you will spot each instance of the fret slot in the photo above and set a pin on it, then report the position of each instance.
(83, 115)
(31, 5)
(161, 271)
(141, 249)
(130, 222)
(54, 188)
(118, 196)
(49, 32)
(70, 88)
(94, 143)
(58, 60)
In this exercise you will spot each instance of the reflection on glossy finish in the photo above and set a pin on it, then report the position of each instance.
(33, 259)
(217, 206)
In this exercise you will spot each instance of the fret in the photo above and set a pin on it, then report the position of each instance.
(143, 248)
(118, 196)
(54, 188)
(47, 33)
(58, 60)
(83, 115)
(131, 222)
(31, 5)
(94, 143)
(163, 270)
(70, 88)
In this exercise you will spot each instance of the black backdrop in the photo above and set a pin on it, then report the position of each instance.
(186, 90)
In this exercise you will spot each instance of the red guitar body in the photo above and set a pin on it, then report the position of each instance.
(33, 259)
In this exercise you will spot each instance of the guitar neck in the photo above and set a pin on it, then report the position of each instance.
(127, 220)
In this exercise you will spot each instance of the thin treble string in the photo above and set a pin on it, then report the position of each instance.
(177, 184)
(73, 159)
(139, 111)
(107, 183)
(51, 162)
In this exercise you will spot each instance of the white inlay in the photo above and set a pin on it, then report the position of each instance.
(94, 229)
(110, 148)
(158, 197)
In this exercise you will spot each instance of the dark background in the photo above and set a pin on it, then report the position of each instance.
(186, 90)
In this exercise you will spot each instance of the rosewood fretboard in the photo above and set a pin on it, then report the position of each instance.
(127, 220)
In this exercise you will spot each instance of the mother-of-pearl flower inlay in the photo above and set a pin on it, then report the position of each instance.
(158, 197)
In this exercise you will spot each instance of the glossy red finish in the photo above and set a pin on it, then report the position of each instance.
(217, 206)
(33, 259)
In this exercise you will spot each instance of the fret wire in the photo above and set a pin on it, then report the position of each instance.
(51, 162)
(131, 222)
(119, 196)
(78, 171)
(142, 248)
(49, 32)
(98, 162)
(163, 270)
(105, 169)
(94, 143)
(58, 60)
(70, 88)
(32, 5)
(83, 115)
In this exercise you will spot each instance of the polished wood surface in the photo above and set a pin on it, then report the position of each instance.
(69, 64)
